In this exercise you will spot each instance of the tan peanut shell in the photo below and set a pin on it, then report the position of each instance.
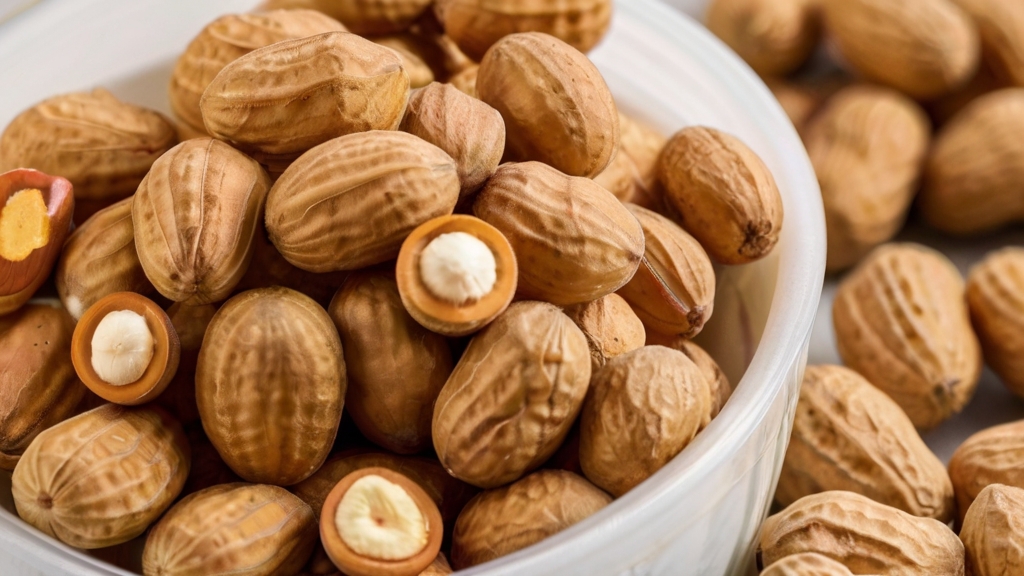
(993, 532)
(227, 39)
(279, 101)
(504, 520)
(806, 564)
(420, 74)
(38, 384)
(993, 456)
(556, 105)
(351, 202)
(863, 535)
(513, 395)
(848, 435)
(976, 165)
(195, 215)
(363, 16)
(774, 37)
(573, 240)
(721, 388)
(995, 297)
(270, 385)
(868, 146)
(611, 328)
(643, 145)
(465, 81)
(395, 367)
(1001, 27)
(901, 321)
(102, 477)
(923, 48)
(642, 409)
(250, 529)
(673, 290)
(724, 194)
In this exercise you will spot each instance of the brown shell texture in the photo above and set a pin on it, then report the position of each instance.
(38, 384)
(643, 408)
(976, 165)
(227, 39)
(504, 520)
(574, 241)
(99, 259)
(363, 16)
(806, 564)
(863, 535)
(673, 291)
(993, 532)
(102, 477)
(643, 145)
(924, 48)
(993, 456)
(901, 321)
(244, 529)
(351, 202)
(868, 147)
(721, 388)
(195, 215)
(279, 101)
(420, 74)
(270, 385)
(513, 396)
(556, 105)
(396, 368)
(465, 81)
(1001, 26)
(190, 324)
(848, 435)
(774, 37)
(995, 297)
(611, 328)
(724, 194)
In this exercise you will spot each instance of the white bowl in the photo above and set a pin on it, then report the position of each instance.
(701, 513)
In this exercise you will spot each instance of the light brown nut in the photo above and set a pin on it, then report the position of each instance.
(195, 215)
(643, 408)
(863, 535)
(723, 192)
(476, 25)
(993, 456)
(868, 147)
(420, 74)
(38, 385)
(643, 145)
(995, 297)
(993, 532)
(721, 389)
(270, 385)
(102, 477)
(513, 396)
(227, 39)
(468, 130)
(99, 259)
(557, 107)
(1001, 26)
(102, 145)
(363, 16)
(848, 435)
(396, 367)
(279, 101)
(976, 164)
(573, 240)
(611, 328)
(250, 529)
(923, 48)
(465, 81)
(673, 291)
(806, 564)
(774, 37)
(901, 321)
(350, 202)
(504, 520)
(620, 177)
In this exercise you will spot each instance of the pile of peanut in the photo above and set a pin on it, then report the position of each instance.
(397, 289)
(908, 101)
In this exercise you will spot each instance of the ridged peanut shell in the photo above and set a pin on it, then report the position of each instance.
(556, 105)
(901, 321)
(244, 529)
(611, 328)
(724, 194)
(270, 385)
(513, 395)
(721, 388)
(504, 520)
(574, 241)
(774, 37)
(102, 477)
(351, 202)
(1001, 26)
(38, 384)
(848, 435)
(993, 456)
(993, 532)
(995, 297)
(363, 17)
(195, 215)
(868, 147)
(863, 535)
(806, 564)
(976, 166)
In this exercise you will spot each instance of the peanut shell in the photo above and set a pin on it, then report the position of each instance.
(363, 16)
(993, 456)
(995, 297)
(774, 37)
(611, 328)
(993, 532)
(806, 564)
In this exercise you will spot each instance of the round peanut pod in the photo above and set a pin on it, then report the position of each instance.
(993, 532)
(774, 37)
